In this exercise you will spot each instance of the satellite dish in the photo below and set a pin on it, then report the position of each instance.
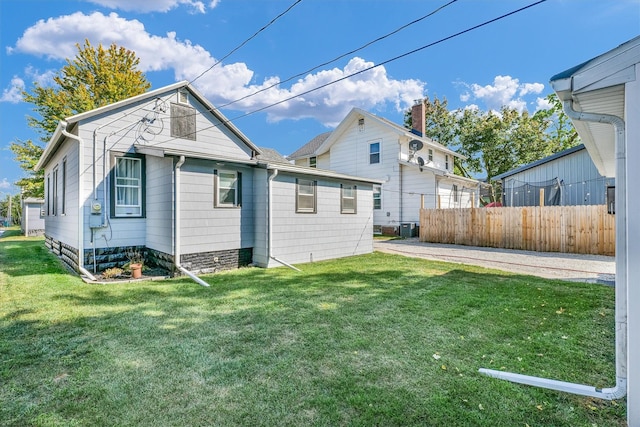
(415, 145)
(420, 163)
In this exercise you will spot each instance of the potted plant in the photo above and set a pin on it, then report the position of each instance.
(136, 260)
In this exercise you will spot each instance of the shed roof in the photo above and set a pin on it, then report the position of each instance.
(540, 162)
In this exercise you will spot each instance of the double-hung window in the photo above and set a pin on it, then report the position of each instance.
(374, 153)
(348, 199)
(313, 161)
(127, 196)
(228, 188)
(305, 196)
(377, 197)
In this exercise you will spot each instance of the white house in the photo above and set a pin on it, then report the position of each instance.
(32, 219)
(166, 174)
(416, 171)
(602, 98)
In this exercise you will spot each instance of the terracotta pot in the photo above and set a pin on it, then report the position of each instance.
(136, 270)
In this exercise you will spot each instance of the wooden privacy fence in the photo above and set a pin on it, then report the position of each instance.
(568, 229)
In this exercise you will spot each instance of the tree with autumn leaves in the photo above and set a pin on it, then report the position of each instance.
(94, 78)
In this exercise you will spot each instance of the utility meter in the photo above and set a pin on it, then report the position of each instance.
(96, 208)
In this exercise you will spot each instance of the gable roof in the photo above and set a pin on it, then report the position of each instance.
(310, 147)
(598, 86)
(270, 155)
(540, 162)
(57, 138)
(323, 142)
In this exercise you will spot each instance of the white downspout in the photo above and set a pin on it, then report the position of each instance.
(270, 222)
(620, 389)
(81, 268)
(176, 242)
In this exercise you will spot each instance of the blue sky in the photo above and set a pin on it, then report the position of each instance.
(507, 62)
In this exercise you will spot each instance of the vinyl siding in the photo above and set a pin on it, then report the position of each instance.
(260, 220)
(350, 155)
(118, 132)
(205, 227)
(326, 234)
(64, 227)
(159, 204)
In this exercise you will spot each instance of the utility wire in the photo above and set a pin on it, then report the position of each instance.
(384, 62)
(247, 40)
(343, 55)
(442, 40)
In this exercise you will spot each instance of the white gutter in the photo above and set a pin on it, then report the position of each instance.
(81, 268)
(270, 222)
(620, 389)
(176, 250)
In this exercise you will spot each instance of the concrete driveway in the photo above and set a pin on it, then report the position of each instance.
(550, 265)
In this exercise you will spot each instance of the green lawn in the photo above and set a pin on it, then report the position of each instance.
(378, 340)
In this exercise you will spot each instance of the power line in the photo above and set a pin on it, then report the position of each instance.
(384, 62)
(247, 40)
(415, 21)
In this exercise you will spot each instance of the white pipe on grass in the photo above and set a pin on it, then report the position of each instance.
(176, 250)
(620, 388)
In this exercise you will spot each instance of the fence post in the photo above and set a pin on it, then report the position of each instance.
(541, 197)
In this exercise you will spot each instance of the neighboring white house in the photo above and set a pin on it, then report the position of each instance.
(569, 178)
(166, 174)
(415, 170)
(32, 219)
(602, 97)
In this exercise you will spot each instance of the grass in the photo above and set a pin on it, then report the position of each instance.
(370, 340)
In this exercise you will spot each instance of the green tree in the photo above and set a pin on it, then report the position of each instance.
(440, 123)
(16, 208)
(562, 134)
(27, 154)
(496, 143)
(94, 78)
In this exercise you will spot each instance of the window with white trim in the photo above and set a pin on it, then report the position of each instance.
(430, 155)
(455, 193)
(313, 161)
(377, 197)
(348, 199)
(127, 187)
(374, 153)
(305, 196)
(228, 188)
(446, 161)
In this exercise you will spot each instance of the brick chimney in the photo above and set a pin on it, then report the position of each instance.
(417, 118)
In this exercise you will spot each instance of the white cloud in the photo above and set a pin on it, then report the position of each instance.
(13, 94)
(4, 184)
(153, 5)
(56, 39)
(542, 104)
(505, 91)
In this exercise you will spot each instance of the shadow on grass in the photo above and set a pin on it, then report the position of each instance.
(347, 342)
